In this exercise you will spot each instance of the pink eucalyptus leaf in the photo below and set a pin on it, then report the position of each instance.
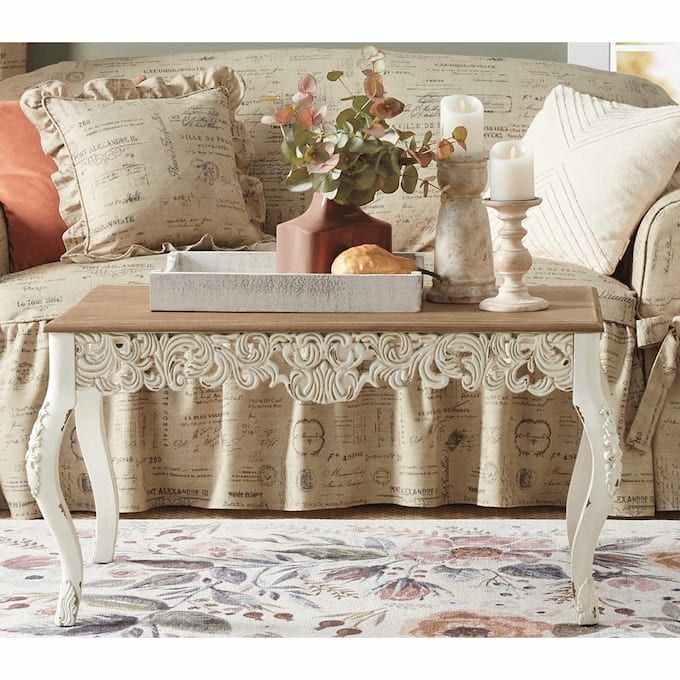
(423, 156)
(373, 87)
(305, 118)
(307, 84)
(281, 117)
(326, 166)
(302, 99)
(444, 150)
(386, 108)
(320, 115)
(375, 129)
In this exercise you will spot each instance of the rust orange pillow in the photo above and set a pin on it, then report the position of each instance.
(28, 196)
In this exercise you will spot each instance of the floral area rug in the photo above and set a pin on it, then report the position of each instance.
(337, 578)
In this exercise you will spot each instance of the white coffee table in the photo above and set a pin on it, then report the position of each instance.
(109, 342)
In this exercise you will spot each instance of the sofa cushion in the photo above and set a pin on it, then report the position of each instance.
(47, 291)
(599, 167)
(27, 194)
(146, 167)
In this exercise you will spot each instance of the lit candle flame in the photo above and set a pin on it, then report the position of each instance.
(513, 152)
(462, 106)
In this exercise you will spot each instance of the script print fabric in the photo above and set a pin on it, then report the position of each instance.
(12, 59)
(145, 168)
(512, 91)
(232, 448)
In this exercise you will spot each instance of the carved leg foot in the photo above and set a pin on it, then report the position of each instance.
(593, 401)
(95, 450)
(42, 469)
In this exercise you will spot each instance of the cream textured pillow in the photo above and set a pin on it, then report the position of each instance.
(147, 168)
(599, 167)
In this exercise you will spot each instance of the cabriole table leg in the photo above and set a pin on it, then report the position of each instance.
(42, 469)
(95, 449)
(593, 402)
(581, 478)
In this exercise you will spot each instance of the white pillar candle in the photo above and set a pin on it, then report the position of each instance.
(459, 109)
(511, 172)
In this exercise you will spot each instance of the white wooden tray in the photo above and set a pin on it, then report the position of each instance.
(241, 281)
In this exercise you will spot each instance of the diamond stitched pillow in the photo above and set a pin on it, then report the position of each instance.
(599, 167)
(148, 168)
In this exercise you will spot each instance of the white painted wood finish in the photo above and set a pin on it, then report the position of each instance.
(95, 450)
(512, 260)
(599, 477)
(248, 282)
(86, 365)
(42, 468)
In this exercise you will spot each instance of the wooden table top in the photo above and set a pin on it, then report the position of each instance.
(123, 309)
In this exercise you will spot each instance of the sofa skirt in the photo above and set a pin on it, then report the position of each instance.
(233, 448)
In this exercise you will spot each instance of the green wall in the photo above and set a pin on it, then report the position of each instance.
(41, 54)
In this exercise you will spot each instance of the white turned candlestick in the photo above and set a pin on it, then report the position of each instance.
(512, 260)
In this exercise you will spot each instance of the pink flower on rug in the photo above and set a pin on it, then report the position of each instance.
(471, 624)
(635, 625)
(472, 548)
(216, 549)
(404, 589)
(29, 562)
(669, 558)
(640, 583)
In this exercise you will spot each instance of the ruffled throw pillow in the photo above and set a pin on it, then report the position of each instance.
(149, 167)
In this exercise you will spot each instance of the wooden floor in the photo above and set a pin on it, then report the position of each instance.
(362, 512)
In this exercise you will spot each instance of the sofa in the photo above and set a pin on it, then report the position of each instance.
(258, 449)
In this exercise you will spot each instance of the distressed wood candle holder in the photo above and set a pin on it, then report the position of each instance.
(513, 260)
(462, 251)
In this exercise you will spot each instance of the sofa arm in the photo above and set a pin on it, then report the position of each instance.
(656, 262)
(4, 245)
(656, 280)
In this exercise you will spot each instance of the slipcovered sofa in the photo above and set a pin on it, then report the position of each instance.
(254, 449)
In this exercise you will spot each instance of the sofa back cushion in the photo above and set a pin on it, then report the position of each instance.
(512, 91)
(28, 196)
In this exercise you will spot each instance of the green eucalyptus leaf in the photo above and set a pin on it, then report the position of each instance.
(334, 75)
(404, 134)
(342, 139)
(390, 184)
(360, 103)
(345, 116)
(409, 179)
(365, 179)
(303, 136)
(358, 197)
(355, 145)
(427, 137)
(299, 180)
(395, 155)
(328, 184)
(288, 152)
(460, 133)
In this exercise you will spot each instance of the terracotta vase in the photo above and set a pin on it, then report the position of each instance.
(308, 244)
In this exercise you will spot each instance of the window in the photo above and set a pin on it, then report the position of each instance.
(658, 62)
